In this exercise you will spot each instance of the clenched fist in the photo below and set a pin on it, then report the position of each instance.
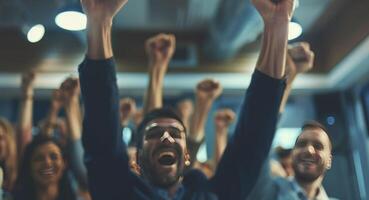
(70, 88)
(301, 57)
(274, 11)
(102, 10)
(160, 50)
(208, 89)
(127, 110)
(224, 118)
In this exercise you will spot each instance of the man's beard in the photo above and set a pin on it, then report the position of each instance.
(307, 177)
(164, 180)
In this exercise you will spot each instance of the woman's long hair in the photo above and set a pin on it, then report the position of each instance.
(9, 163)
(25, 188)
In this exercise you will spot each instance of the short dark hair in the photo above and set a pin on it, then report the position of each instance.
(311, 124)
(165, 112)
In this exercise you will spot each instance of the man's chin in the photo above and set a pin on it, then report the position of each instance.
(166, 181)
(306, 177)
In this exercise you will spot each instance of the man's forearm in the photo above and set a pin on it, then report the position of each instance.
(74, 125)
(287, 91)
(220, 143)
(24, 135)
(154, 93)
(197, 128)
(99, 39)
(272, 58)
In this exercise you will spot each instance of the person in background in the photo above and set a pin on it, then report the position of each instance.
(42, 175)
(25, 116)
(8, 155)
(185, 111)
(222, 121)
(160, 50)
(311, 158)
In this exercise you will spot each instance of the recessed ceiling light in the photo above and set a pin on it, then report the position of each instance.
(71, 20)
(36, 33)
(295, 30)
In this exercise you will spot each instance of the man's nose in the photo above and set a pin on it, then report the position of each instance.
(310, 149)
(167, 136)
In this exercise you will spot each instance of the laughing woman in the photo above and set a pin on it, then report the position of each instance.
(8, 154)
(43, 173)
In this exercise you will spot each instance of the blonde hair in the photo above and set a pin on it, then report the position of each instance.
(10, 160)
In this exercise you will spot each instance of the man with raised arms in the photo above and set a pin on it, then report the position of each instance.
(162, 152)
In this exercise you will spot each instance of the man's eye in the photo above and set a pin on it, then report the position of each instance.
(318, 146)
(154, 133)
(301, 144)
(175, 133)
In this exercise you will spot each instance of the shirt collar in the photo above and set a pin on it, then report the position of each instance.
(322, 195)
(163, 193)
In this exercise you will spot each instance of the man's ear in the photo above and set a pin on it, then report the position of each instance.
(187, 159)
(329, 164)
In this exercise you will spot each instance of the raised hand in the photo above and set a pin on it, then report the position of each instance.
(208, 89)
(127, 110)
(302, 57)
(102, 10)
(274, 10)
(70, 89)
(160, 49)
(56, 99)
(27, 83)
(224, 118)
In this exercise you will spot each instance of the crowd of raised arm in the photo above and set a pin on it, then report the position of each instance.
(116, 149)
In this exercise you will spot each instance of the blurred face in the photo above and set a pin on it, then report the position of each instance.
(311, 156)
(162, 157)
(3, 146)
(47, 164)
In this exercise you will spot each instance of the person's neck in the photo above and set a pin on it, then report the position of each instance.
(47, 192)
(172, 190)
(311, 188)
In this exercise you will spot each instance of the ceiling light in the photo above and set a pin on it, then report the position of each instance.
(71, 20)
(36, 33)
(295, 30)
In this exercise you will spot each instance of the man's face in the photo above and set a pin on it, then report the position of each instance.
(162, 157)
(311, 156)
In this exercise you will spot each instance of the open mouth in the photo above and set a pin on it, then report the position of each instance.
(47, 172)
(308, 161)
(167, 158)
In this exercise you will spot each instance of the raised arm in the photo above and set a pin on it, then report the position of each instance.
(185, 110)
(24, 125)
(160, 50)
(127, 110)
(300, 59)
(70, 92)
(249, 146)
(206, 92)
(48, 125)
(222, 120)
(105, 155)
(276, 17)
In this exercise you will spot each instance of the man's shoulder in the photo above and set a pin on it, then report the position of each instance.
(194, 177)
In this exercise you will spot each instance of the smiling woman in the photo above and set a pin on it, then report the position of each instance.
(43, 174)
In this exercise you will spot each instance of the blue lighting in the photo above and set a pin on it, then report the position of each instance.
(331, 120)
